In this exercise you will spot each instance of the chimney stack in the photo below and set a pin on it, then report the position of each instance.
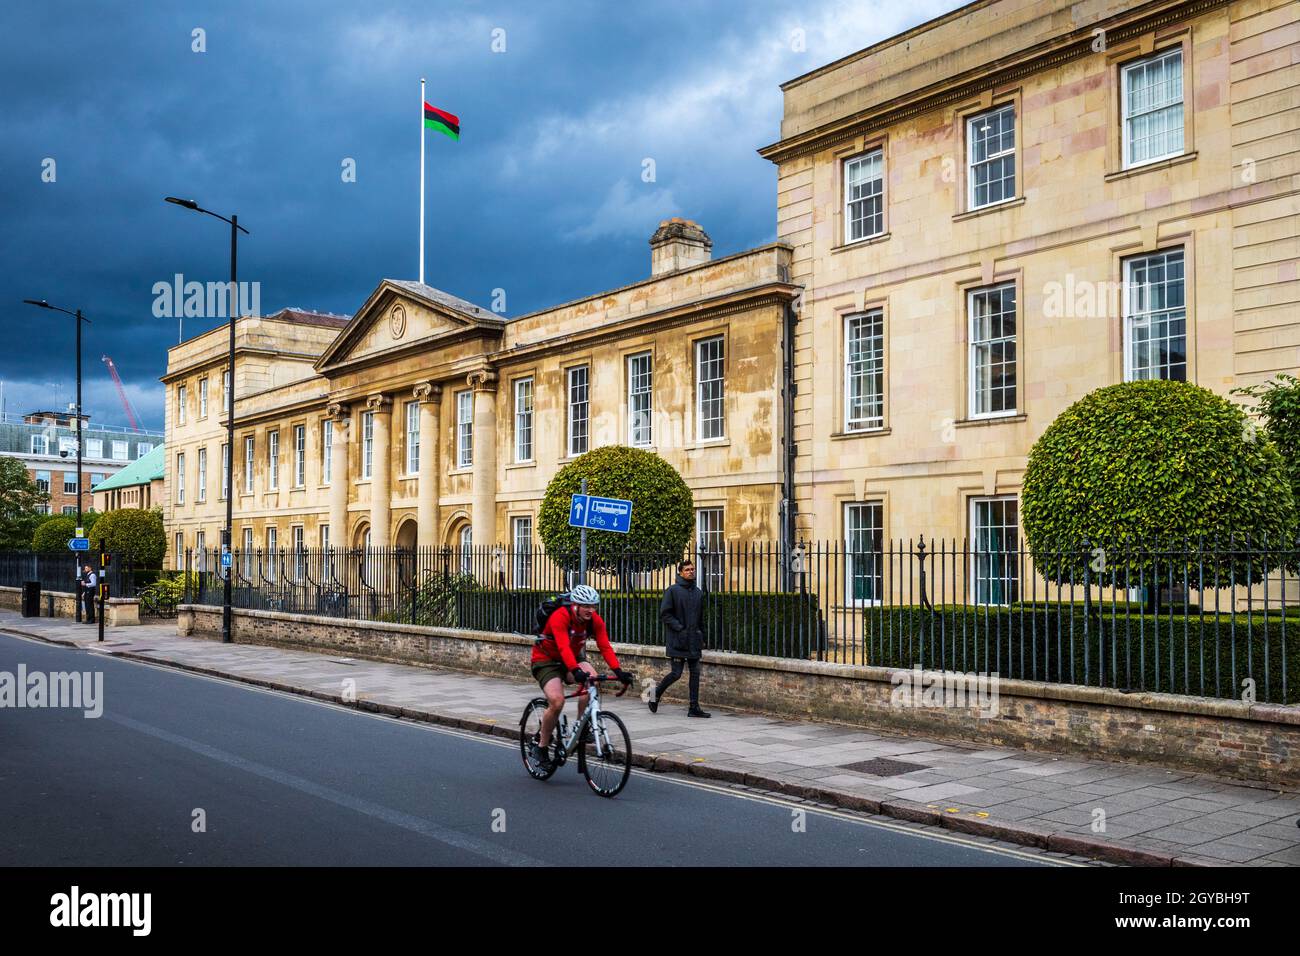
(676, 244)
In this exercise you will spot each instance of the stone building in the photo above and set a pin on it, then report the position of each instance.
(138, 485)
(1009, 206)
(426, 420)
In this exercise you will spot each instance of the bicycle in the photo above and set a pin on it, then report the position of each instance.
(604, 753)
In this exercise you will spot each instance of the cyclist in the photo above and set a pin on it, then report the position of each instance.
(558, 659)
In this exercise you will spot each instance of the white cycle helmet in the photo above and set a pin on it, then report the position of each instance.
(584, 594)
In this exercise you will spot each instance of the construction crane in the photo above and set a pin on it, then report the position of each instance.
(121, 392)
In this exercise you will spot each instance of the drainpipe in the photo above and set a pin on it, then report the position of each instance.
(788, 390)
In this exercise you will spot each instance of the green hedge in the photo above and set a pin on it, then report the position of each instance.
(775, 624)
(1128, 650)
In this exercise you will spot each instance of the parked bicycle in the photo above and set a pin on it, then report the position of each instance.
(599, 738)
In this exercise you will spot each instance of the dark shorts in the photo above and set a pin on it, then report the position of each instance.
(545, 671)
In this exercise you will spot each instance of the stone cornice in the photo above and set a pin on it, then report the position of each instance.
(1072, 45)
(730, 303)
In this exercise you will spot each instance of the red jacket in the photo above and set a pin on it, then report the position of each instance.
(562, 640)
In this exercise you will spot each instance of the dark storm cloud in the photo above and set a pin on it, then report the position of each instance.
(542, 197)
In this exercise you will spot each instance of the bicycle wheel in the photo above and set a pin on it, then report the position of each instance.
(530, 726)
(607, 774)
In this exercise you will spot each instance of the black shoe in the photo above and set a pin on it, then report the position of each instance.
(653, 704)
(696, 712)
(540, 757)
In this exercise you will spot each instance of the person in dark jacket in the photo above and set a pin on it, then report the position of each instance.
(681, 612)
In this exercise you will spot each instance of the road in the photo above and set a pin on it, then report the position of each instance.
(276, 779)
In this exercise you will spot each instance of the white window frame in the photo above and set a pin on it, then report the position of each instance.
(466, 541)
(640, 389)
(1132, 317)
(975, 547)
(201, 550)
(225, 390)
(870, 364)
(250, 462)
(201, 484)
(711, 547)
(367, 445)
(1126, 118)
(465, 429)
(178, 544)
(180, 478)
(272, 546)
(873, 160)
(225, 470)
(141, 449)
(327, 450)
(700, 382)
(248, 552)
(95, 448)
(43, 484)
(876, 509)
(273, 460)
(521, 534)
(121, 450)
(524, 419)
(180, 404)
(73, 482)
(412, 438)
(299, 456)
(974, 348)
(41, 442)
(203, 398)
(578, 410)
(990, 158)
(297, 539)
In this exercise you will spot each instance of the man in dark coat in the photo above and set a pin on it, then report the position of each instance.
(681, 612)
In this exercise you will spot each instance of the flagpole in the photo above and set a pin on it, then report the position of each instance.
(421, 180)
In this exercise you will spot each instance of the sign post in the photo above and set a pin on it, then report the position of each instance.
(603, 514)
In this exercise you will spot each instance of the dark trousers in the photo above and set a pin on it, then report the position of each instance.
(88, 598)
(675, 673)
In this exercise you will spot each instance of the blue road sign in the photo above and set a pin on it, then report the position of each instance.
(79, 544)
(609, 514)
(600, 514)
(578, 511)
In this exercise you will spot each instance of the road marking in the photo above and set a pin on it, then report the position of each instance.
(768, 798)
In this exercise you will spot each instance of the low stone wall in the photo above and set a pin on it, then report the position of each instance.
(121, 611)
(1256, 742)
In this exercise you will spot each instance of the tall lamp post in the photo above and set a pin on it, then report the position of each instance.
(227, 534)
(42, 304)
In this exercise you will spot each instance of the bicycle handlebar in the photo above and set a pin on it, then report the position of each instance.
(599, 678)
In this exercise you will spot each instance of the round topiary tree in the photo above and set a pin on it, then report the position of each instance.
(662, 510)
(1154, 463)
(131, 533)
(53, 533)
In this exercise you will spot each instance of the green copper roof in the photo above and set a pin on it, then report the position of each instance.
(140, 472)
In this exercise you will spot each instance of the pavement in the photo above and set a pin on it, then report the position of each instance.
(1137, 814)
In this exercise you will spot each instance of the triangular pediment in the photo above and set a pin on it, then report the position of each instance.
(400, 313)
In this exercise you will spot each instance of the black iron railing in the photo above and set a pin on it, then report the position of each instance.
(1207, 619)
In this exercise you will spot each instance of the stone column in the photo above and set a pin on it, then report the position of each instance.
(483, 512)
(342, 439)
(426, 514)
(381, 472)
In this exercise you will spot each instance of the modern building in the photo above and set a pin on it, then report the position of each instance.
(426, 420)
(1010, 206)
(46, 443)
(138, 485)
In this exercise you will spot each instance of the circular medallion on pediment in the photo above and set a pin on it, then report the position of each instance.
(397, 321)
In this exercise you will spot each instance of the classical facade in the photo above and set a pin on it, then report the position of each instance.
(425, 420)
(1012, 205)
(979, 221)
(139, 485)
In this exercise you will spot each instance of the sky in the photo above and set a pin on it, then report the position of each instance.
(106, 107)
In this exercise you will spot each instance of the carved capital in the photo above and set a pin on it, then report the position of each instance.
(337, 411)
(483, 380)
(427, 392)
(378, 403)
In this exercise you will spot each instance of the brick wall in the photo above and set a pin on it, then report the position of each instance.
(1257, 742)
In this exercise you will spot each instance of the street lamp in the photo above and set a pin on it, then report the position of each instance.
(227, 535)
(42, 304)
